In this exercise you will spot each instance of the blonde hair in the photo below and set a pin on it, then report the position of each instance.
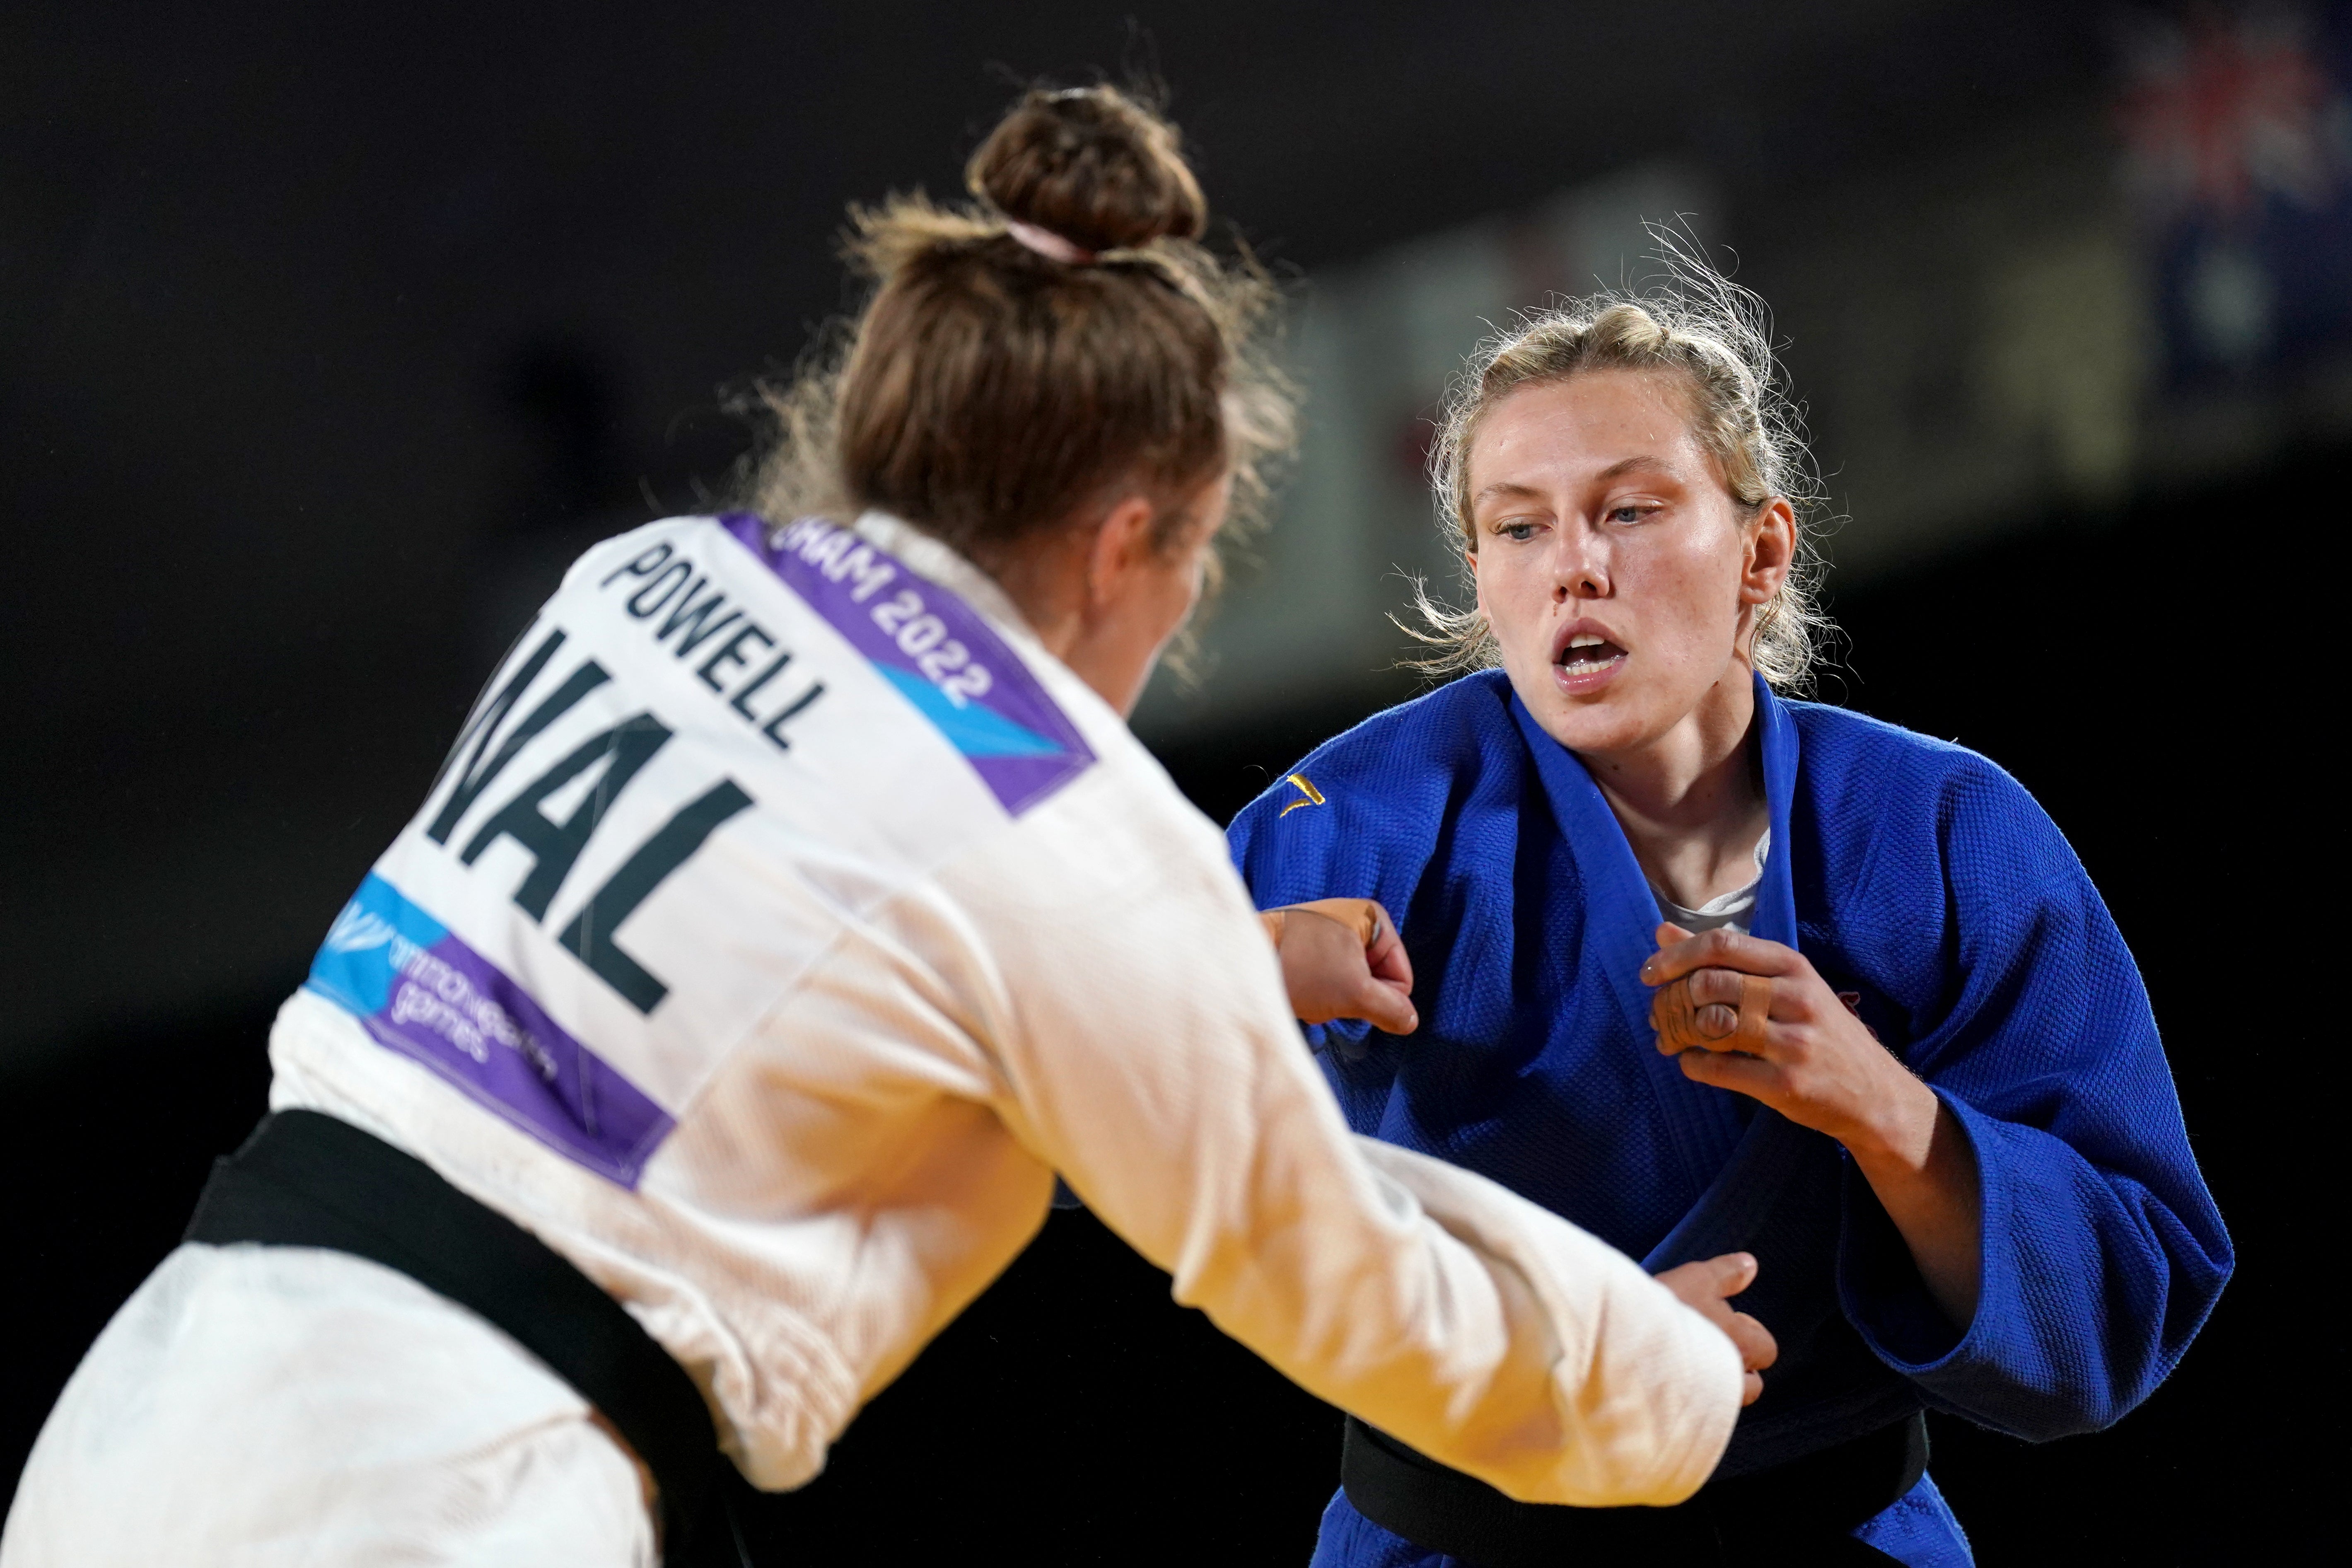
(1718, 337)
(995, 385)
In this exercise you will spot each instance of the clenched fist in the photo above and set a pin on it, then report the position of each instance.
(1341, 958)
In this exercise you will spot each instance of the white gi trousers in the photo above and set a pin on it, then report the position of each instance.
(278, 1406)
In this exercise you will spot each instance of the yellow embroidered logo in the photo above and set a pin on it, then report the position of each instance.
(1314, 795)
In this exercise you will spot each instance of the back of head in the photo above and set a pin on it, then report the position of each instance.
(1024, 357)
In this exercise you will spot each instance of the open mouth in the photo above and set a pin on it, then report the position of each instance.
(1588, 654)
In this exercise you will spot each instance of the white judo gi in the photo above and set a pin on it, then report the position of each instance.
(783, 919)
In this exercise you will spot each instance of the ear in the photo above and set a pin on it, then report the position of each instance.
(1771, 551)
(1122, 542)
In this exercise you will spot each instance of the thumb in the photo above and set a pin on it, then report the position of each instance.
(1385, 1007)
(1729, 1273)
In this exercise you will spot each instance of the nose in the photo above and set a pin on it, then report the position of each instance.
(1579, 566)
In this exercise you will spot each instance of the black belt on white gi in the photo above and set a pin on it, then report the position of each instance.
(307, 1180)
(1797, 1512)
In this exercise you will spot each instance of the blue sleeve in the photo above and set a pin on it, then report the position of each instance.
(2103, 1251)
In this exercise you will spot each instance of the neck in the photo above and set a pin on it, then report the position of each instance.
(1047, 598)
(1049, 588)
(1691, 801)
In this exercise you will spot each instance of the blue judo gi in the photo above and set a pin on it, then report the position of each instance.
(1921, 881)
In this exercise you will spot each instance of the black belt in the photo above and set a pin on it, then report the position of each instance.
(1799, 1511)
(307, 1180)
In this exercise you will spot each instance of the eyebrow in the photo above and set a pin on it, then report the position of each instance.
(1503, 488)
(1616, 471)
(1624, 466)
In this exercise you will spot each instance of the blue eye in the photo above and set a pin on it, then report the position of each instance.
(1519, 532)
(1631, 512)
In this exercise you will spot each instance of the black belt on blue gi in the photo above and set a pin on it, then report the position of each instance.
(1797, 1512)
(307, 1180)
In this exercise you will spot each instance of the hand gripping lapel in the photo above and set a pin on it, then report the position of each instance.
(1675, 1017)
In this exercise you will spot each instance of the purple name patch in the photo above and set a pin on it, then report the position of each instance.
(422, 992)
(936, 649)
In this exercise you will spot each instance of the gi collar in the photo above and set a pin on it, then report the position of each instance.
(1620, 894)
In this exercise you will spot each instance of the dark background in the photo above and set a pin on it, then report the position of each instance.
(320, 328)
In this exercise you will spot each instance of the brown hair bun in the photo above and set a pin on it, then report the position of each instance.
(988, 394)
(1092, 165)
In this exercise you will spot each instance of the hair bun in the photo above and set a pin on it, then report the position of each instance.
(1092, 165)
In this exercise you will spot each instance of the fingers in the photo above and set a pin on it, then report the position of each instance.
(1742, 1074)
(1383, 945)
(1325, 970)
(1757, 1350)
(1708, 1004)
(1726, 1274)
(1392, 973)
(1679, 953)
(1704, 1283)
(1712, 986)
(1704, 1286)
(1385, 952)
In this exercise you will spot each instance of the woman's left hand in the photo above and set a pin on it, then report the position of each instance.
(1814, 1061)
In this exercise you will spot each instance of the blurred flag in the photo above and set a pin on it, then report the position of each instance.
(2238, 130)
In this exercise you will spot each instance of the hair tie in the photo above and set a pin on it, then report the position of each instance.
(1048, 244)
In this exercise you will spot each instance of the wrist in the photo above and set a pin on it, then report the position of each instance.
(1897, 1128)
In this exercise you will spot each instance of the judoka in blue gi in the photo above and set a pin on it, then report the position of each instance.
(1906, 1060)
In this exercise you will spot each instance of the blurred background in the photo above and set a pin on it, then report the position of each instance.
(328, 335)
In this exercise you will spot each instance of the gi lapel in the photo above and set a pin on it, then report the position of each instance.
(1619, 916)
(1737, 1171)
(1777, 1160)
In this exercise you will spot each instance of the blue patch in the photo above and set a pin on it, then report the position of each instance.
(356, 964)
(975, 731)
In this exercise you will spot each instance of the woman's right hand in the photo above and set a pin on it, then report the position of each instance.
(1341, 958)
(1706, 1287)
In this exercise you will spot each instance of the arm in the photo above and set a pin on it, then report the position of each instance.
(1342, 958)
(1480, 1328)
(2098, 1250)
(1812, 1061)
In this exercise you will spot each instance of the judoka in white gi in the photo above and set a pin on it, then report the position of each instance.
(794, 904)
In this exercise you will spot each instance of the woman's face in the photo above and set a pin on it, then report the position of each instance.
(1618, 573)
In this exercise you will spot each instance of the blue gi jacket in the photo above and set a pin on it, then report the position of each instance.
(1913, 873)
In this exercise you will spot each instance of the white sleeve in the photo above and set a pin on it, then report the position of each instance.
(1138, 1021)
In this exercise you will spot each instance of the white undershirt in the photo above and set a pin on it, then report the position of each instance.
(1736, 910)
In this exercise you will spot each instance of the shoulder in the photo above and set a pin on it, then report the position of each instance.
(1406, 752)
(1370, 805)
(1402, 761)
(1913, 805)
(1852, 751)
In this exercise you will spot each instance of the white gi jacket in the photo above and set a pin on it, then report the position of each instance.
(787, 917)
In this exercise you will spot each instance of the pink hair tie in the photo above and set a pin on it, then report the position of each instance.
(1048, 244)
